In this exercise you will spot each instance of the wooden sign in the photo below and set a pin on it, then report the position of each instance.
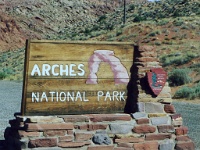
(157, 78)
(76, 77)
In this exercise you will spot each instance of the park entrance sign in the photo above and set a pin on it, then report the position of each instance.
(76, 77)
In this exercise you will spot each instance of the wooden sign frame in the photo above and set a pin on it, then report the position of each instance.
(63, 78)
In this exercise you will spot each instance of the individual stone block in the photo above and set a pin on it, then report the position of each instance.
(67, 138)
(161, 121)
(141, 106)
(83, 136)
(107, 147)
(146, 48)
(55, 133)
(166, 129)
(146, 146)
(44, 119)
(177, 119)
(166, 89)
(126, 144)
(109, 117)
(185, 146)
(183, 138)
(72, 144)
(121, 128)
(144, 129)
(154, 64)
(159, 136)
(45, 142)
(82, 127)
(122, 148)
(142, 121)
(181, 130)
(70, 132)
(52, 126)
(74, 118)
(169, 108)
(154, 108)
(130, 139)
(49, 148)
(148, 54)
(28, 134)
(101, 139)
(167, 145)
(164, 95)
(92, 127)
(157, 115)
(139, 115)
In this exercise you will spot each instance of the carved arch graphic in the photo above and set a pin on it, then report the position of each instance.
(120, 73)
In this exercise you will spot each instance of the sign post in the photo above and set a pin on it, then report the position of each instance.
(76, 77)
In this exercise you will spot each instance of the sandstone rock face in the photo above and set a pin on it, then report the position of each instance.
(119, 71)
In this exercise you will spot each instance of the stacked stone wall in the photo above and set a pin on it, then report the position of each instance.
(147, 130)
(150, 122)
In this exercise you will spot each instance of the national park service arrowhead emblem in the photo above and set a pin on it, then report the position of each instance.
(157, 78)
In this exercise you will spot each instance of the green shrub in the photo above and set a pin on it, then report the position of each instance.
(188, 92)
(177, 59)
(158, 43)
(162, 22)
(185, 92)
(178, 22)
(179, 77)
(122, 38)
(8, 71)
(195, 67)
(138, 19)
(118, 32)
(154, 33)
(102, 18)
(131, 7)
(3, 75)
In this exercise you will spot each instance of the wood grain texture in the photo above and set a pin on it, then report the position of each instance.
(45, 61)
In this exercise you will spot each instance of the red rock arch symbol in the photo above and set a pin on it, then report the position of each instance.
(120, 73)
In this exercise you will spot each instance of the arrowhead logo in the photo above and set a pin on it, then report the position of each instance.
(157, 78)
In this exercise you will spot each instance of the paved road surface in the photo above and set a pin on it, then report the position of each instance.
(10, 103)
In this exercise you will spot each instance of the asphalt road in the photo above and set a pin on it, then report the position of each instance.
(10, 103)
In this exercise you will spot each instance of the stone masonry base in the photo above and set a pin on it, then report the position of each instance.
(136, 131)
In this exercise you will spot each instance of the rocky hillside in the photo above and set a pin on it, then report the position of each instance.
(47, 19)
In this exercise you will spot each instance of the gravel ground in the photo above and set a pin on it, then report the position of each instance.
(10, 101)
